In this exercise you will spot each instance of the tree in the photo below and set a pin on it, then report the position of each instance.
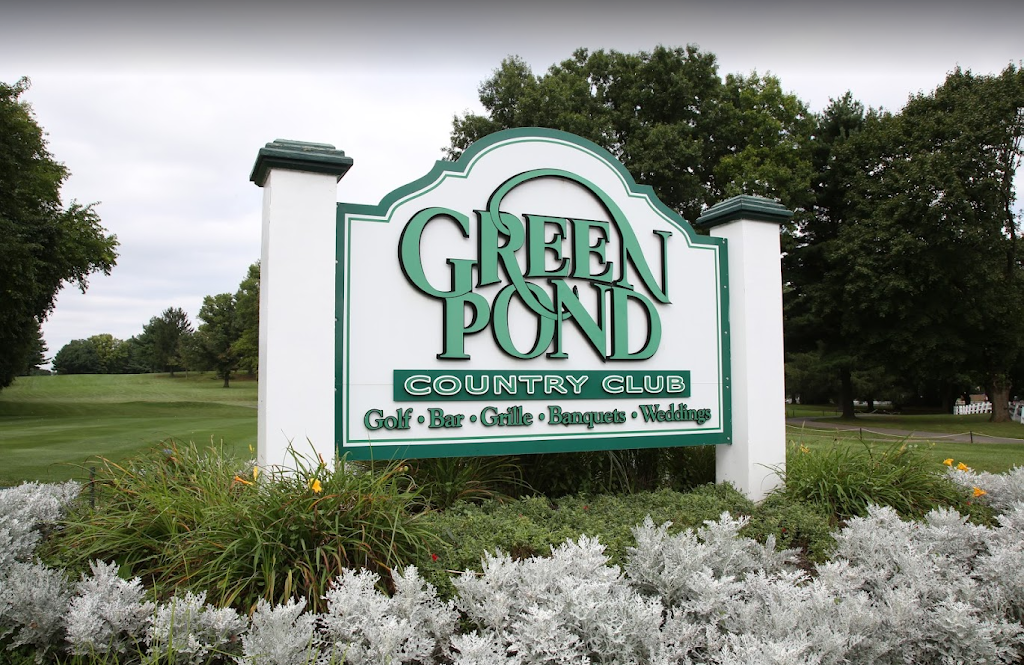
(214, 341)
(112, 353)
(78, 356)
(913, 262)
(815, 305)
(247, 310)
(667, 116)
(43, 244)
(163, 337)
(36, 356)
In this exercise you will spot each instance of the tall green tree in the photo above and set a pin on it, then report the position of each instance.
(36, 356)
(214, 341)
(911, 259)
(163, 339)
(667, 116)
(43, 244)
(247, 309)
(814, 296)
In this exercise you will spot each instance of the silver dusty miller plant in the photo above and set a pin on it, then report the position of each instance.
(108, 614)
(570, 607)
(1001, 490)
(27, 512)
(188, 631)
(363, 625)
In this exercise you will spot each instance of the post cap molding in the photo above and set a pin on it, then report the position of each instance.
(299, 156)
(756, 208)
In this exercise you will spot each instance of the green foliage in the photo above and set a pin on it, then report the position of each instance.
(445, 481)
(909, 256)
(79, 356)
(100, 354)
(43, 244)
(36, 356)
(164, 339)
(247, 311)
(185, 519)
(667, 116)
(846, 478)
(214, 342)
(229, 337)
(531, 526)
(560, 474)
(795, 524)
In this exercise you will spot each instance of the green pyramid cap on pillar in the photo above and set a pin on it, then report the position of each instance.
(756, 208)
(299, 156)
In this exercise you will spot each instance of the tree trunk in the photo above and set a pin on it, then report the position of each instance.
(227, 376)
(999, 394)
(846, 393)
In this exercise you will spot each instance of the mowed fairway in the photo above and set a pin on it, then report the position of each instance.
(52, 426)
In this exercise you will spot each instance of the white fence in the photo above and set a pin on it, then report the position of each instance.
(1016, 409)
(973, 407)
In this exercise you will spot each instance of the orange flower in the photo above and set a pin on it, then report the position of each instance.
(948, 462)
(979, 492)
(962, 467)
(239, 479)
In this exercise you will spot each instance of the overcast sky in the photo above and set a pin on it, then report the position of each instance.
(159, 111)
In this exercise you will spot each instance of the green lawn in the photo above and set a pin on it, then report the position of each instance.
(933, 422)
(51, 426)
(948, 423)
(992, 457)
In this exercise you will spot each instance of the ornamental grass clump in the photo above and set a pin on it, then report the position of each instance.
(846, 479)
(186, 520)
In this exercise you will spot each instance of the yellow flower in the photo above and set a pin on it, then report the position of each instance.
(962, 467)
(316, 486)
(948, 462)
(805, 449)
(979, 492)
(255, 472)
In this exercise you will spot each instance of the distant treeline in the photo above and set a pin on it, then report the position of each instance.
(226, 341)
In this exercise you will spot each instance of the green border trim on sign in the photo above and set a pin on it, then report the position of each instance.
(383, 448)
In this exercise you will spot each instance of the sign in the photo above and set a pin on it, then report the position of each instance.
(529, 297)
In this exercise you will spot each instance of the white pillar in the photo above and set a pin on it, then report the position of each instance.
(297, 299)
(750, 225)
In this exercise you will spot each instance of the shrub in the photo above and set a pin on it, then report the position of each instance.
(532, 526)
(185, 520)
(794, 524)
(646, 470)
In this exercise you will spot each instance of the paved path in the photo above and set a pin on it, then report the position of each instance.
(870, 427)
